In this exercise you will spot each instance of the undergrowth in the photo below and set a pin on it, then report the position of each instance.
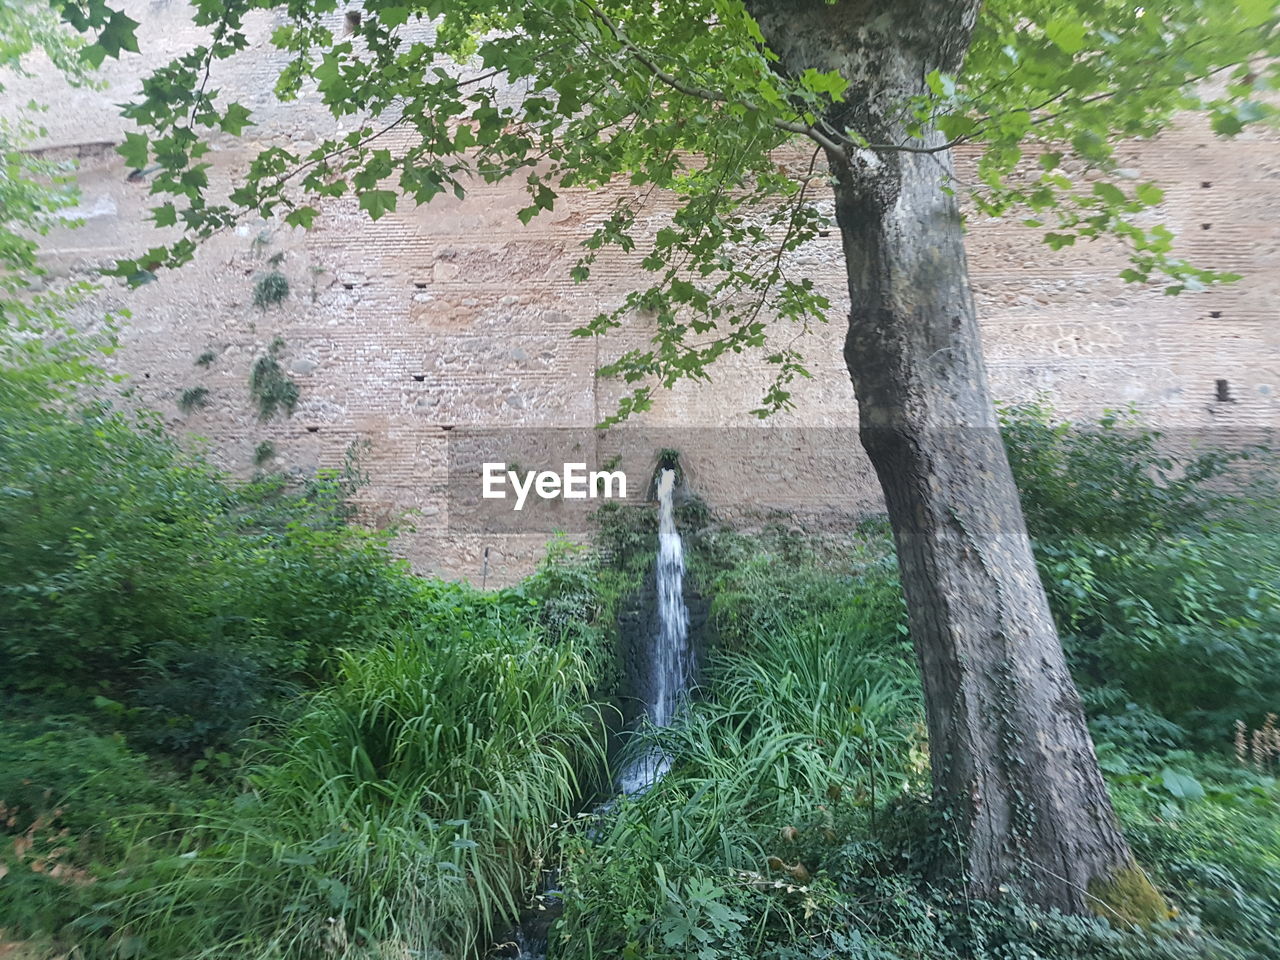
(234, 726)
(402, 813)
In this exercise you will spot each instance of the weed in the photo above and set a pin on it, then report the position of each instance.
(1261, 747)
(260, 242)
(408, 804)
(270, 289)
(269, 386)
(193, 398)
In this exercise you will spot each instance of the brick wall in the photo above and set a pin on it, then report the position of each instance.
(454, 316)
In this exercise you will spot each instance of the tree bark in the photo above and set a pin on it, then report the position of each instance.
(1012, 762)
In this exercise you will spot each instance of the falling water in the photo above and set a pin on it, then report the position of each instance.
(669, 671)
(669, 652)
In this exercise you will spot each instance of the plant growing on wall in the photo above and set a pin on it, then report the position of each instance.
(270, 289)
(193, 398)
(270, 387)
(696, 98)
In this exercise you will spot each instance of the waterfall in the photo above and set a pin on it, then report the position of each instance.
(668, 666)
(669, 661)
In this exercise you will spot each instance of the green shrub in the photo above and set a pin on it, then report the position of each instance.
(576, 594)
(1114, 478)
(403, 813)
(566, 589)
(769, 582)
(72, 800)
(133, 571)
(1187, 627)
(270, 388)
(193, 398)
(625, 535)
(1162, 574)
(60, 770)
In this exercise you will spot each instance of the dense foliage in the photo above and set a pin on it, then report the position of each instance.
(1162, 571)
(233, 722)
(136, 577)
(288, 746)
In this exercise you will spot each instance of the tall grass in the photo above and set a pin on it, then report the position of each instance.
(403, 813)
(799, 736)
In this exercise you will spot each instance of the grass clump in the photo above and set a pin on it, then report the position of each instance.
(404, 812)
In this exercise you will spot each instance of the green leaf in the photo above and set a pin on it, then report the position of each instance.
(1149, 194)
(955, 125)
(832, 84)
(165, 215)
(942, 84)
(1182, 785)
(378, 202)
(118, 35)
(93, 55)
(1109, 193)
(1226, 124)
(301, 217)
(464, 138)
(1067, 35)
(1254, 13)
(107, 705)
(135, 150)
(235, 119)
(393, 16)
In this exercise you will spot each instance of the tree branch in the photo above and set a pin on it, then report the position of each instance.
(700, 92)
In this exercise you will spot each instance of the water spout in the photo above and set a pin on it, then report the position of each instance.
(669, 659)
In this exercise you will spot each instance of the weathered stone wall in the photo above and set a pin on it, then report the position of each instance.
(453, 315)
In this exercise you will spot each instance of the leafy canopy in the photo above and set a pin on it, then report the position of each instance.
(685, 98)
(35, 192)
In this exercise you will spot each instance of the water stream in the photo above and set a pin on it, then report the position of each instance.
(669, 661)
(668, 666)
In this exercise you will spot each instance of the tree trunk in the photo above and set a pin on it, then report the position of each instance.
(1013, 765)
